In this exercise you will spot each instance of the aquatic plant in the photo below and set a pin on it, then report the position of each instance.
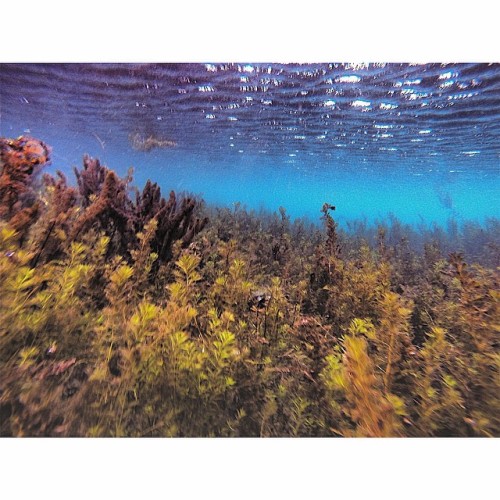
(439, 403)
(148, 316)
(357, 390)
(175, 220)
(20, 161)
(108, 208)
(90, 179)
(144, 143)
(107, 203)
(51, 233)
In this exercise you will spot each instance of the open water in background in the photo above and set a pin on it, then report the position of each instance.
(420, 141)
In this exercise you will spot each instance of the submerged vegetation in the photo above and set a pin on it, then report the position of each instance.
(127, 314)
(142, 143)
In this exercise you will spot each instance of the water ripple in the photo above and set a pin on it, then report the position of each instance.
(448, 110)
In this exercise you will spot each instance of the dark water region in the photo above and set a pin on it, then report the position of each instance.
(336, 272)
(419, 141)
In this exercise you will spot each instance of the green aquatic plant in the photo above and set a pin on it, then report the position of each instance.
(439, 401)
(143, 256)
(358, 391)
(43, 304)
(477, 325)
(154, 374)
(393, 336)
(231, 289)
(50, 234)
(47, 328)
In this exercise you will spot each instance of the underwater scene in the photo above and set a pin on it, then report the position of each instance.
(250, 250)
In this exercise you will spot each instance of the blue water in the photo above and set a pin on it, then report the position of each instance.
(418, 141)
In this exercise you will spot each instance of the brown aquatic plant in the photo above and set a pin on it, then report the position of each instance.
(90, 178)
(107, 204)
(20, 160)
(144, 143)
(175, 219)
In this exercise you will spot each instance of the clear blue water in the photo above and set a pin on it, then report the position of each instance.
(418, 141)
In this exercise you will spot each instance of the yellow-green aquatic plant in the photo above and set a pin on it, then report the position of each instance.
(351, 374)
(440, 404)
